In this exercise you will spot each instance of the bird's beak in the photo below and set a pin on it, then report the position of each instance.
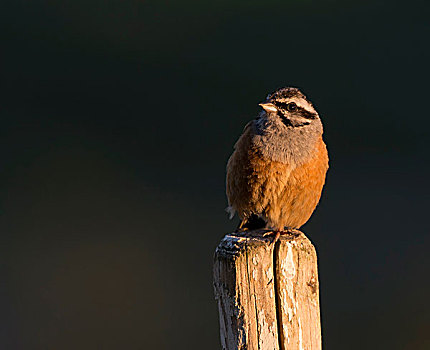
(268, 107)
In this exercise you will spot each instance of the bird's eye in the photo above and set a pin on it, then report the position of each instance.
(291, 107)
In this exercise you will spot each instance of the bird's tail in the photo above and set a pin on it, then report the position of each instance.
(230, 210)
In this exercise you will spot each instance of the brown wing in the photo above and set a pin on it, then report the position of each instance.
(238, 172)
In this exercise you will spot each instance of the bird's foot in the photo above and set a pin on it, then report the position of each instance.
(277, 233)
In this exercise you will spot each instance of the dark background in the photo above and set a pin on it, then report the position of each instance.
(117, 119)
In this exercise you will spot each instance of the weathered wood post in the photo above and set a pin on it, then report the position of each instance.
(268, 295)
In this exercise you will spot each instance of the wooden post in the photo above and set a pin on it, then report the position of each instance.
(268, 295)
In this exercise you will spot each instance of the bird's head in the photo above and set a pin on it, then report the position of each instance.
(292, 107)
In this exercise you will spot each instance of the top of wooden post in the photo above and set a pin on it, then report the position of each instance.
(268, 295)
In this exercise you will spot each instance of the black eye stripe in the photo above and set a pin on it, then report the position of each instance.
(297, 109)
(309, 115)
(284, 105)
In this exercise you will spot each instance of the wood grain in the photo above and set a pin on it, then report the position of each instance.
(267, 294)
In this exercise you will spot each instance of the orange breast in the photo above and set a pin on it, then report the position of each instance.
(284, 195)
(301, 193)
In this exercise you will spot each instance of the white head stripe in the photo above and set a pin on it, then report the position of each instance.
(301, 102)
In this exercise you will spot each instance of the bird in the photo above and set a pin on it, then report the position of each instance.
(277, 170)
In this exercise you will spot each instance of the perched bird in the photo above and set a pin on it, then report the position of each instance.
(277, 170)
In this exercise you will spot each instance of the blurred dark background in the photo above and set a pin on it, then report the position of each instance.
(117, 119)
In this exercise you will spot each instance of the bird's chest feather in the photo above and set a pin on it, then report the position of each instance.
(276, 186)
(263, 179)
(267, 172)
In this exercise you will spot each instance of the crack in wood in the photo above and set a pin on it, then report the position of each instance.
(268, 296)
(277, 296)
